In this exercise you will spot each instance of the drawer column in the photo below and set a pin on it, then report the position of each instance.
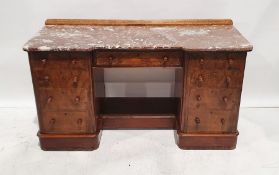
(63, 86)
(210, 102)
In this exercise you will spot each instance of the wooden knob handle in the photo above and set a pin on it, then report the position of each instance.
(75, 81)
(197, 120)
(110, 60)
(74, 61)
(222, 121)
(199, 81)
(228, 81)
(46, 78)
(201, 61)
(230, 61)
(77, 99)
(52, 121)
(198, 98)
(79, 121)
(165, 60)
(44, 61)
(200, 78)
(49, 99)
(225, 99)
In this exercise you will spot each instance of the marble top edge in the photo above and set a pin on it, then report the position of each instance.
(90, 37)
(246, 49)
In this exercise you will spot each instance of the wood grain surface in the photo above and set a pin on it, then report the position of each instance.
(73, 108)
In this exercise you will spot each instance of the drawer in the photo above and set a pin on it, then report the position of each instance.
(138, 59)
(65, 122)
(211, 121)
(217, 61)
(225, 99)
(66, 78)
(216, 79)
(60, 60)
(75, 99)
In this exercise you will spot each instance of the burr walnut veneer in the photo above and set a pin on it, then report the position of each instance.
(68, 57)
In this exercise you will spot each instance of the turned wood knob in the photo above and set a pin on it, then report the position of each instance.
(75, 79)
(225, 99)
(222, 121)
(228, 81)
(46, 78)
(49, 99)
(74, 61)
(79, 121)
(77, 99)
(75, 82)
(52, 121)
(43, 61)
(197, 120)
(201, 61)
(200, 78)
(110, 60)
(165, 60)
(199, 81)
(230, 61)
(198, 98)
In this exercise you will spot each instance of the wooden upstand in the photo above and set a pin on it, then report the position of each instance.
(68, 58)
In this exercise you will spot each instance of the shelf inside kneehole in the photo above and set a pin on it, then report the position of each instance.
(139, 105)
(131, 113)
(138, 109)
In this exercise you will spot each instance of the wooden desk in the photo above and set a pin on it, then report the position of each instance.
(68, 57)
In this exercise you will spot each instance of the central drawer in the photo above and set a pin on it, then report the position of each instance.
(138, 58)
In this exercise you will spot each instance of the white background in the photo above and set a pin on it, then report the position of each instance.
(258, 21)
(145, 151)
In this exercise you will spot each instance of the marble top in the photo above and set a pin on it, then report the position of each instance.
(90, 37)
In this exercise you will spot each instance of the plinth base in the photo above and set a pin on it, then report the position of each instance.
(206, 141)
(69, 142)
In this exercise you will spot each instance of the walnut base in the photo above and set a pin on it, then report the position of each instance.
(206, 141)
(69, 142)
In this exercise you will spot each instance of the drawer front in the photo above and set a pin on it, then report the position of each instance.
(65, 122)
(216, 79)
(213, 91)
(64, 60)
(138, 59)
(57, 78)
(64, 99)
(211, 121)
(62, 82)
(223, 99)
(217, 61)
